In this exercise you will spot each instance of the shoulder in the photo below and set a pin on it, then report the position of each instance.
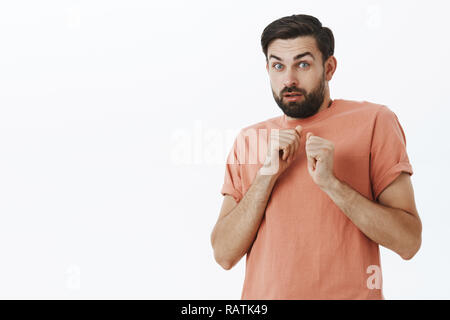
(366, 111)
(363, 106)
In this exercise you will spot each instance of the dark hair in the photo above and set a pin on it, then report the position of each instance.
(291, 27)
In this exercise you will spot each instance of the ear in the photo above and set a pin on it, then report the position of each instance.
(330, 67)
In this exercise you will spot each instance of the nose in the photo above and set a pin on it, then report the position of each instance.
(291, 80)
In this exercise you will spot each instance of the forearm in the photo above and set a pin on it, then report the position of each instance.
(234, 234)
(392, 228)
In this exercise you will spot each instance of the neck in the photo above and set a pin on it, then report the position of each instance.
(326, 103)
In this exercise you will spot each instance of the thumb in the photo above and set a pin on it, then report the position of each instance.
(299, 129)
(311, 161)
(311, 164)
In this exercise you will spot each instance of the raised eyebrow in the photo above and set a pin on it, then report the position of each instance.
(299, 56)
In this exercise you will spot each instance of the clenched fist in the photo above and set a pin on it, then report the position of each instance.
(320, 157)
(282, 150)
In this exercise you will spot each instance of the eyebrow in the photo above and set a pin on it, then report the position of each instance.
(301, 55)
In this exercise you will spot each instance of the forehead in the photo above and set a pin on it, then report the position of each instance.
(287, 49)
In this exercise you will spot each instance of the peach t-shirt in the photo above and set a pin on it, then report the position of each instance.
(306, 247)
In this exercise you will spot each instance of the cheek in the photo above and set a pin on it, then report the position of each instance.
(310, 81)
(275, 78)
(276, 84)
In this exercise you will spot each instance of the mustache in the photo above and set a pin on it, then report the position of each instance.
(295, 90)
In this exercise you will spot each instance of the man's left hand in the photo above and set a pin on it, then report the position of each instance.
(320, 155)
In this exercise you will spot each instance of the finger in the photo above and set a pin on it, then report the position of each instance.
(291, 131)
(310, 164)
(295, 148)
(317, 140)
(291, 153)
(297, 136)
(288, 152)
(283, 142)
(277, 142)
(288, 134)
(289, 145)
(282, 153)
(298, 142)
(282, 131)
(296, 131)
(287, 139)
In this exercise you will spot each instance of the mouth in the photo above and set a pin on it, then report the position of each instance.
(293, 96)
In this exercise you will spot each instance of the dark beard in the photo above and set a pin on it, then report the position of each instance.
(309, 105)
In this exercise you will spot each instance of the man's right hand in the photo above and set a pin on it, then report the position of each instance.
(282, 150)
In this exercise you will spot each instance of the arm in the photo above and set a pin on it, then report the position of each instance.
(393, 222)
(238, 223)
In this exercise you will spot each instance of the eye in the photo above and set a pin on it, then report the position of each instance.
(304, 63)
(276, 64)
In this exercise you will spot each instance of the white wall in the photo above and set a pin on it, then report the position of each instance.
(98, 97)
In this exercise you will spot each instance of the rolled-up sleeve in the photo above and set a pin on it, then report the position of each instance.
(388, 154)
(232, 184)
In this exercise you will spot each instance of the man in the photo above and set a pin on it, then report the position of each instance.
(334, 183)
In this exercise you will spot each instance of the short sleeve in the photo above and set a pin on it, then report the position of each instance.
(232, 184)
(388, 156)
